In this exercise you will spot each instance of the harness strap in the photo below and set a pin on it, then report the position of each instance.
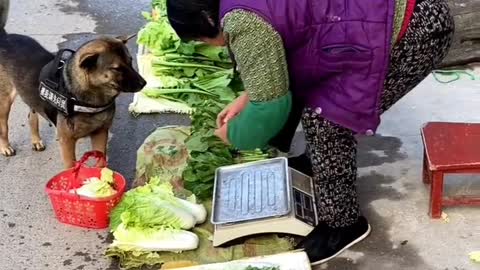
(55, 90)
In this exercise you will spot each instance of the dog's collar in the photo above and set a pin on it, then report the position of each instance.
(55, 88)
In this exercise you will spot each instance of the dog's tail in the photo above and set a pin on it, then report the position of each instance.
(4, 8)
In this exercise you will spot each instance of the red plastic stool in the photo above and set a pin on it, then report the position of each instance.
(449, 148)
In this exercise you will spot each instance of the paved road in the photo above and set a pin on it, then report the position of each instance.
(390, 188)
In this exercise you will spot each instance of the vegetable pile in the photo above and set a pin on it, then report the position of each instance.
(188, 72)
(151, 218)
(202, 77)
(207, 152)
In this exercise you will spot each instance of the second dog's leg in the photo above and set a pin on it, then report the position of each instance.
(33, 120)
(6, 101)
(99, 142)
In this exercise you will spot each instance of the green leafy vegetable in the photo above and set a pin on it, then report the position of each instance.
(205, 253)
(159, 92)
(189, 72)
(146, 239)
(207, 152)
(165, 192)
(252, 156)
(158, 36)
(151, 219)
(154, 205)
(148, 210)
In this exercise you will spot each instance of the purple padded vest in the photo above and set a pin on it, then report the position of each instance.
(337, 52)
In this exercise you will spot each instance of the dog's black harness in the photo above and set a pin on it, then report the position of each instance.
(55, 91)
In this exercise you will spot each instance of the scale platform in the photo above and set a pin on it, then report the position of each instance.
(262, 197)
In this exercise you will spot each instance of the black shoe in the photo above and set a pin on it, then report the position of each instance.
(302, 164)
(317, 237)
(325, 243)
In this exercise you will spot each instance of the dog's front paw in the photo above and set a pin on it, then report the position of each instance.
(7, 151)
(38, 146)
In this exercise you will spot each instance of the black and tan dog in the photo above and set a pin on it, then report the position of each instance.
(93, 76)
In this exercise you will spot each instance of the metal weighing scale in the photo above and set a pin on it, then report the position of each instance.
(262, 197)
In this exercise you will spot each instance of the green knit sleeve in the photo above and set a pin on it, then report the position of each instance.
(259, 53)
(400, 7)
(261, 60)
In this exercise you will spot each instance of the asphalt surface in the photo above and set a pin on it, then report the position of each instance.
(390, 189)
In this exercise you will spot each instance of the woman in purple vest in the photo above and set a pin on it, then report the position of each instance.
(335, 65)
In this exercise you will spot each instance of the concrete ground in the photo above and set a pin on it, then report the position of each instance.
(392, 194)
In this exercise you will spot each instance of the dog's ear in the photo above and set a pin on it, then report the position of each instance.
(125, 39)
(89, 60)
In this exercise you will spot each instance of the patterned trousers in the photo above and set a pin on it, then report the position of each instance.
(332, 149)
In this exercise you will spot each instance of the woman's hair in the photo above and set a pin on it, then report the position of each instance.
(194, 19)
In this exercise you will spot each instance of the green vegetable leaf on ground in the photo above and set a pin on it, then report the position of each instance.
(147, 239)
(155, 206)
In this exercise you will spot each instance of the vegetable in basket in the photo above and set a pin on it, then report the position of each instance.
(94, 187)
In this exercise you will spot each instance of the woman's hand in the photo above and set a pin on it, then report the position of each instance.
(232, 110)
(222, 134)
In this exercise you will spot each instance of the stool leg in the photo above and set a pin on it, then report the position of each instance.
(436, 195)
(427, 177)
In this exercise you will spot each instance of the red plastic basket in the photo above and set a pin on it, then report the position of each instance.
(77, 210)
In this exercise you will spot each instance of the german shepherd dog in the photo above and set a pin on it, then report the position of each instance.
(95, 75)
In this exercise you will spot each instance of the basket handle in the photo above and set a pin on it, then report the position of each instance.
(95, 154)
(99, 156)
